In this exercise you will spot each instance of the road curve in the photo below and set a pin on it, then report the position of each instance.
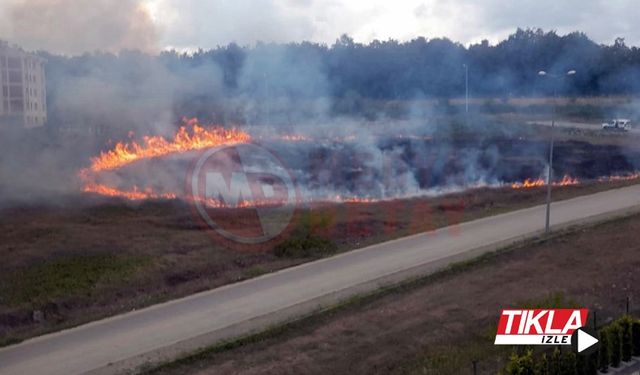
(124, 343)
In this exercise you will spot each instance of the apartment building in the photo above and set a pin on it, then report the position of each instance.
(23, 95)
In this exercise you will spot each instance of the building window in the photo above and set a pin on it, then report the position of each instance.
(15, 91)
(14, 63)
(17, 105)
(15, 77)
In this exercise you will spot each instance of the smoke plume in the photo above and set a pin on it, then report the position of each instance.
(78, 26)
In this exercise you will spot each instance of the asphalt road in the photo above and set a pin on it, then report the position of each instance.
(175, 328)
(581, 125)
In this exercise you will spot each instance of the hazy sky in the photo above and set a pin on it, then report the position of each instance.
(75, 26)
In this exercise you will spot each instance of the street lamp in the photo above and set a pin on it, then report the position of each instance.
(542, 73)
(466, 87)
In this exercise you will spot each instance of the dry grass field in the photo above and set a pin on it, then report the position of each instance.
(89, 260)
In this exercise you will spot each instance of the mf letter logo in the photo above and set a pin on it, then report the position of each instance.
(539, 326)
(244, 193)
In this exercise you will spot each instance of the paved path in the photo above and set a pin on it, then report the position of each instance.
(582, 125)
(175, 328)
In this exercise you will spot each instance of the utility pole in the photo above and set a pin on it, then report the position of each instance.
(266, 89)
(466, 88)
(556, 78)
(550, 168)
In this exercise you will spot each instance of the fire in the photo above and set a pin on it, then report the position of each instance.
(135, 194)
(193, 136)
(295, 138)
(356, 200)
(215, 203)
(190, 136)
(570, 181)
(628, 177)
(567, 181)
(530, 183)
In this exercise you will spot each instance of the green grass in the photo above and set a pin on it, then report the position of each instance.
(69, 276)
(255, 271)
(305, 246)
(306, 241)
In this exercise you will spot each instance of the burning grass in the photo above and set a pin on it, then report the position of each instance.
(189, 137)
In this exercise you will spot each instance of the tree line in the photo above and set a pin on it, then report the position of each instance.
(92, 86)
(420, 67)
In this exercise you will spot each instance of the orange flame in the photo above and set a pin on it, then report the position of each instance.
(189, 137)
(530, 183)
(628, 177)
(135, 194)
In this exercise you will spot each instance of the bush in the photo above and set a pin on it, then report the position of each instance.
(604, 356)
(627, 343)
(618, 341)
(581, 364)
(521, 364)
(568, 364)
(543, 365)
(615, 344)
(555, 365)
(592, 364)
(635, 337)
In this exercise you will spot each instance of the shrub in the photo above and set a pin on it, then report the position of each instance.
(604, 355)
(615, 344)
(543, 365)
(592, 364)
(568, 364)
(555, 365)
(521, 364)
(635, 337)
(582, 365)
(627, 343)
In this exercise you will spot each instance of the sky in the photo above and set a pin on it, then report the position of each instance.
(77, 26)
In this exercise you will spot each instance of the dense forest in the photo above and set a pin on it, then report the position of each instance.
(136, 83)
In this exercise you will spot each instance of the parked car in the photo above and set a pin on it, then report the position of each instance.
(617, 124)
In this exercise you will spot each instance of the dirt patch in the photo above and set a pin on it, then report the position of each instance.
(441, 325)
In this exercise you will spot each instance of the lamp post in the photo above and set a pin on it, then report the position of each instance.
(466, 88)
(557, 77)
